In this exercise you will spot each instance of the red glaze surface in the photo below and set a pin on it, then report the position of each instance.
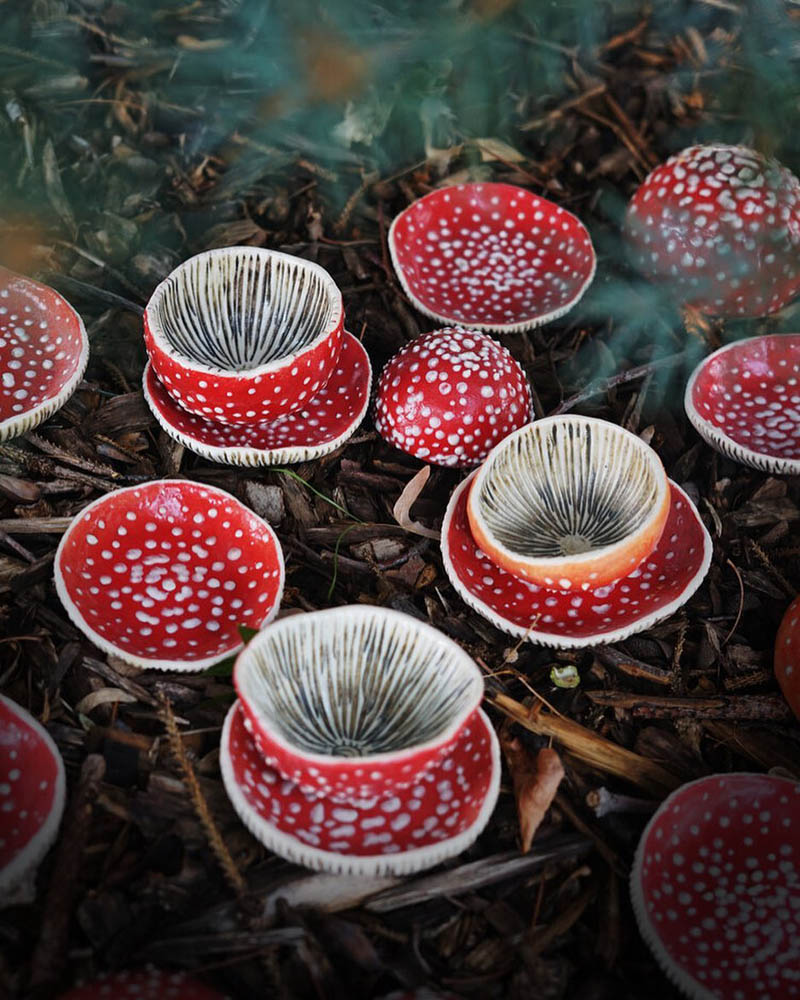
(43, 352)
(323, 423)
(744, 399)
(243, 397)
(787, 656)
(31, 792)
(491, 256)
(143, 984)
(164, 573)
(721, 226)
(716, 887)
(450, 396)
(664, 581)
(444, 804)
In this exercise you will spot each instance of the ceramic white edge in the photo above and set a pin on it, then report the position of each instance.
(197, 367)
(554, 563)
(422, 630)
(567, 642)
(521, 325)
(718, 439)
(680, 978)
(261, 456)
(29, 858)
(403, 863)
(157, 663)
(14, 426)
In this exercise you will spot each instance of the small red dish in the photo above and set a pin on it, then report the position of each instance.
(244, 334)
(32, 793)
(162, 575)
(568, 620)
(491, 256)
(744, 400)
(356, 701)
(43, 353)
(716, 887)
(437, 818)
(324, 424)
(143, 984)
(450, 396)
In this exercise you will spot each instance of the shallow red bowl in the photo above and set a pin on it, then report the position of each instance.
(325, 422)
(243, 334)
(436, 818)
(744, 400)
(716, 887)
(32, 792)
(145, 984)
(491, 256)
(162, 575)
(355, 701)
(568, 620)
(43, 353)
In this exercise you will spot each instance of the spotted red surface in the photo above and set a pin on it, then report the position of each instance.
(751, 392)
(662, 579)
(721, 226)
(331, 413)
(450, 396)
(445, 801)
(787, 656)
(491, 255)
(28, 778)
(41, 344)
(146, 984)
(170, 569)
(717, 887)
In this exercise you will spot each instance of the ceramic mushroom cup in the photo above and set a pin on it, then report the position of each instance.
(244, 335)
(355, 702)
(569, 503)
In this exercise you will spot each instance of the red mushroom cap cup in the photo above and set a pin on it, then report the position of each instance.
(450, 396)
(43, 353)
(787, 656)
(720, 225)
(143, 984)
(244, 335)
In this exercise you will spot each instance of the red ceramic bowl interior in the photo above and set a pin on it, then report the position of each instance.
(31, 793)
(143, 984)
(164, 574)
(244, 335)
(355, 701)
(43, 352)
(745, 400)
(491, 256)
(716, 887)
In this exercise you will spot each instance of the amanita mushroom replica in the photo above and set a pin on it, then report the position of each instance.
(744, 400)
(44, 351)
(716, 887)
(143, 984)
(32, 793)
(787, 656)
(163, 574)
(720, 226)
(491, 257)
(569, 503)
(450, 396)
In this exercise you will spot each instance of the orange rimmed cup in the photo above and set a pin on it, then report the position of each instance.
(569, 503)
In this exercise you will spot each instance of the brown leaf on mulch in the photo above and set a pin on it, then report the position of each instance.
(535, 780)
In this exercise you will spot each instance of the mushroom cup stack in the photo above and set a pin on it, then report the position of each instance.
(250, 363)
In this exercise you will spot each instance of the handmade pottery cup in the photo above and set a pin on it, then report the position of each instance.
(244, 335)
(355, 702)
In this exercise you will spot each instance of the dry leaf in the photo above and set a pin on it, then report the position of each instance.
(407, 499)
(103, 696)
(496, 149)
(535, 785)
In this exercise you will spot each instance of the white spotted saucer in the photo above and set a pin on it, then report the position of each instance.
(571, 619)
(435, 819)
(325, 422)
